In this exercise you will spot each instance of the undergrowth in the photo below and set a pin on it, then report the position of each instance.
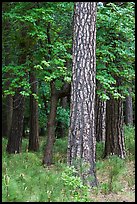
(24, 179)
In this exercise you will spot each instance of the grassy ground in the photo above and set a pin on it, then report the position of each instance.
(24, 179)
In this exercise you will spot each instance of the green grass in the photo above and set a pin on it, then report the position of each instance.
(129, 133)
(24, 179)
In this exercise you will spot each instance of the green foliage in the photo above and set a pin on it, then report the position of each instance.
(116, 165)
(129, 132)
(63, 116)
(115, 51)
(24, 178)
(19, 75)
(99, 150)
(48, 57)
(75, 185)
(60, 150)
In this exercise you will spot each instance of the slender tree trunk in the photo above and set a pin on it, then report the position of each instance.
(34, 126)
(15, 136)
(128, 110)
(51, 127)
(114, 143)
(81, 144)
(55, 95)
(100, 119)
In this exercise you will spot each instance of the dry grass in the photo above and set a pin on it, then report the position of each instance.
(126, 181)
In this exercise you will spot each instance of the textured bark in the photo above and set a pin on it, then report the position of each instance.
(15, 136)
(114, 143)
(100, 119)
(81, 144)
(34, 126)
(128, 110)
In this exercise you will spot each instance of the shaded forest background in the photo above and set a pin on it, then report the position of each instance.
(37, 40)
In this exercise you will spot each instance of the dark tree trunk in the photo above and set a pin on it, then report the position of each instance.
(15, 136)
(34, 126)
(7, 110)
(82, 141)
(9, 113)
(114, 143)
(4, 118)
(51, 127)
(128, 110)
(100, 124)
(16, 131)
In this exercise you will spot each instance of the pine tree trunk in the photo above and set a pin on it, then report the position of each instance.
(15, 136)
(81, 144)
(114, 143)
(34, 126)
(128, 110)
(100, 110)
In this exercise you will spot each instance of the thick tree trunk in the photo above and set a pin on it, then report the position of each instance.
(114, 143)
(15, 136)
(81, 144)
(128, 110)
(100, 110)
(34, 126)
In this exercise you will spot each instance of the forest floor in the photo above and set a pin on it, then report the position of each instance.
(25, 180)
(125, 182)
